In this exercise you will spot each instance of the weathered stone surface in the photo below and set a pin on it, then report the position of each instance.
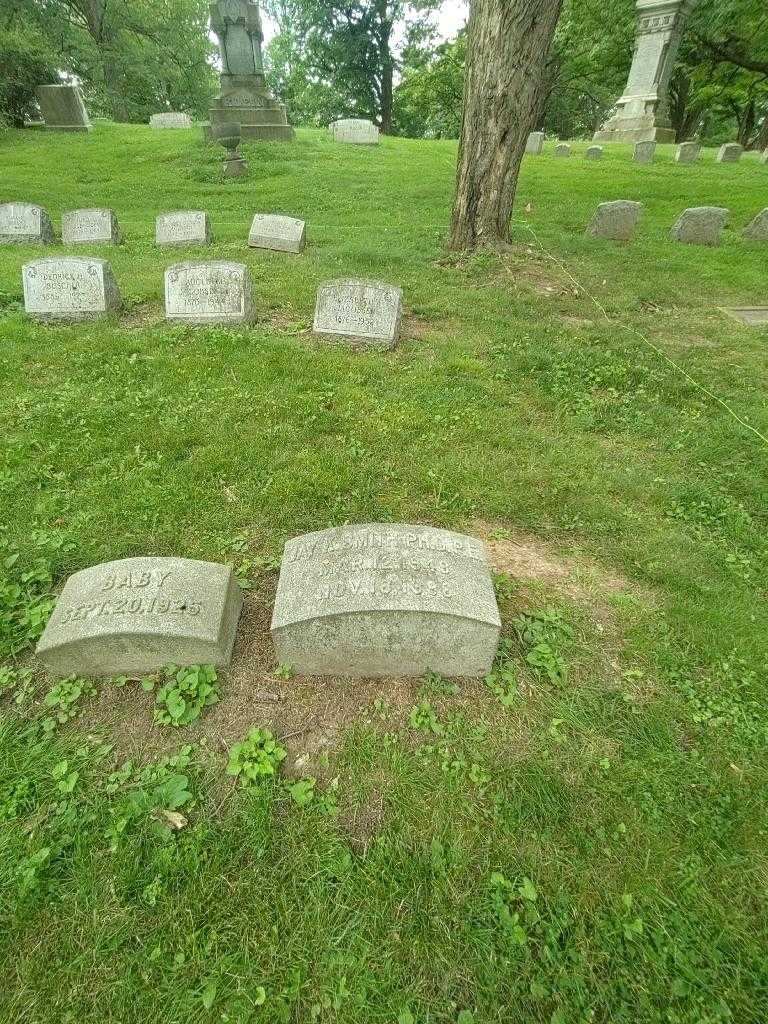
(390, 599)
(185, 227)
(97, 227)
(356, 132)
(563, 149)
(25, 224)
(208, 293)
(63, 108)
(69, 288)
(642, 112)
(644, 152)
(730, 153)
(170, 119)
(757, 229)
(137, 615)
(750, 316)
(535, 143)
(764, 157)
(366, 311)
(270, 231)
(594, 153)
(701, 225)
(616, 220)
(688, 152)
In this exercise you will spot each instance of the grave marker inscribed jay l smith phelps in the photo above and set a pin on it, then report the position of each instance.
(137, 615)
(389, 599)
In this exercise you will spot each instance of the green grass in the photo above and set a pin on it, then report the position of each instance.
(633, 798)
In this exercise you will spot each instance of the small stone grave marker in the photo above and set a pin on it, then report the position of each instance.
(90, 227)
(700, 225)
(388, 599)
(356, 132)
(285, 234)
(208, 293)
(750, 316)
(562, 150)
(25, 224)
(645, 152)
(69, 288)
(365, 311)
(730, 153)
(184, 227)
(594, 153)
(138, 615)
(170, 119)
(688, 152)
(535, 143)
(616, 220)
(757, 229)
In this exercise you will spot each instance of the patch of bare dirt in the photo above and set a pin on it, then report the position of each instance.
(526, 269)
(146, 314)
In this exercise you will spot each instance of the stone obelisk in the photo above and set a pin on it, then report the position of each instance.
(642, 113)
(244, 98)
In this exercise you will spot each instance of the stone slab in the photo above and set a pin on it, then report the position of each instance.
(183, 227)
(285, 234)
(750, 316)
(616, 220)
(69, 288)
(563, 150)
(366, 311)
(208, 293)
(764, 157)
(730, 153)
(535, 143)
(594, 153)
(138, 615)
(644, 152)
(688, 152)
(63, 108)
(90, 227)
(355, 131)
(700, 225)
(25, 224)
(757, 229)
(170, 119)
(386, 600)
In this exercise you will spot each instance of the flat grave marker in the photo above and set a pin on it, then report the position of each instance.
(208, 293)
(69, 288)
(750, 316)
(366, 311)
(386, 599)
(137, 615)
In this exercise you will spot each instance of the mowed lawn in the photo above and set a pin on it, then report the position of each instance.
(583, 838)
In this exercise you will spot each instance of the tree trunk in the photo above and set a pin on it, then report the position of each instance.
(384, 37)
(509, 44)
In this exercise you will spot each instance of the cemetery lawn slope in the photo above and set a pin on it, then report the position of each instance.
(582, 838)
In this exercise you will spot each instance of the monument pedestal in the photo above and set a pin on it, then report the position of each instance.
(245, 100)
(642, 112)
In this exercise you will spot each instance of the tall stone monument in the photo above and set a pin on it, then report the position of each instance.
(642, 113)
(244, 98)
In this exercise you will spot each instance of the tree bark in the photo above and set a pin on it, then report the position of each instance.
(509, 45)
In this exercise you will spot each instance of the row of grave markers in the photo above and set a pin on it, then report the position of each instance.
(28, 224)
(201, 293)
(644, 152)
(698, 225)
(357, 601)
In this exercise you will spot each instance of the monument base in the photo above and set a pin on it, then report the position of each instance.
(633, 134)
(244, 100)
(67, 128)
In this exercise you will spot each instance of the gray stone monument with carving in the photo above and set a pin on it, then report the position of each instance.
(63, 109)
(642, 113)
(244, 98)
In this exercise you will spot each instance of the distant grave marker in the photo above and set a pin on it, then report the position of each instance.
(688, 152)
(365, 311)
(645, 152)
(285, 234)
(138, 615)
(208, 293)
(701, 225)
(594, 153)
(184, 227)
(355, 131)
(69, 288)
(90, 227)
(388, 599)
(170, 119)
(562, 150)
(535, 143)
(757, 229)
(730, 153)
(616, 220)
(25, 224)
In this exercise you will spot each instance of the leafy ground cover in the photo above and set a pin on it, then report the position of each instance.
(579, 838)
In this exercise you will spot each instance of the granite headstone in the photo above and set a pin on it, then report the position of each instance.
(90, 227)
(364, 311)
(170, 119)
(380, 600)
(757, 229)
(644, 152)
(562, 150)
(138, 615)
(616, 220)
(208, 293)
(25, 224)
(270, 231)
(730, 153)
(535, 143)
(184, 227)
(688, 152)
(594, 153)
(69, 288)
(63, 108)
(701, 225)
